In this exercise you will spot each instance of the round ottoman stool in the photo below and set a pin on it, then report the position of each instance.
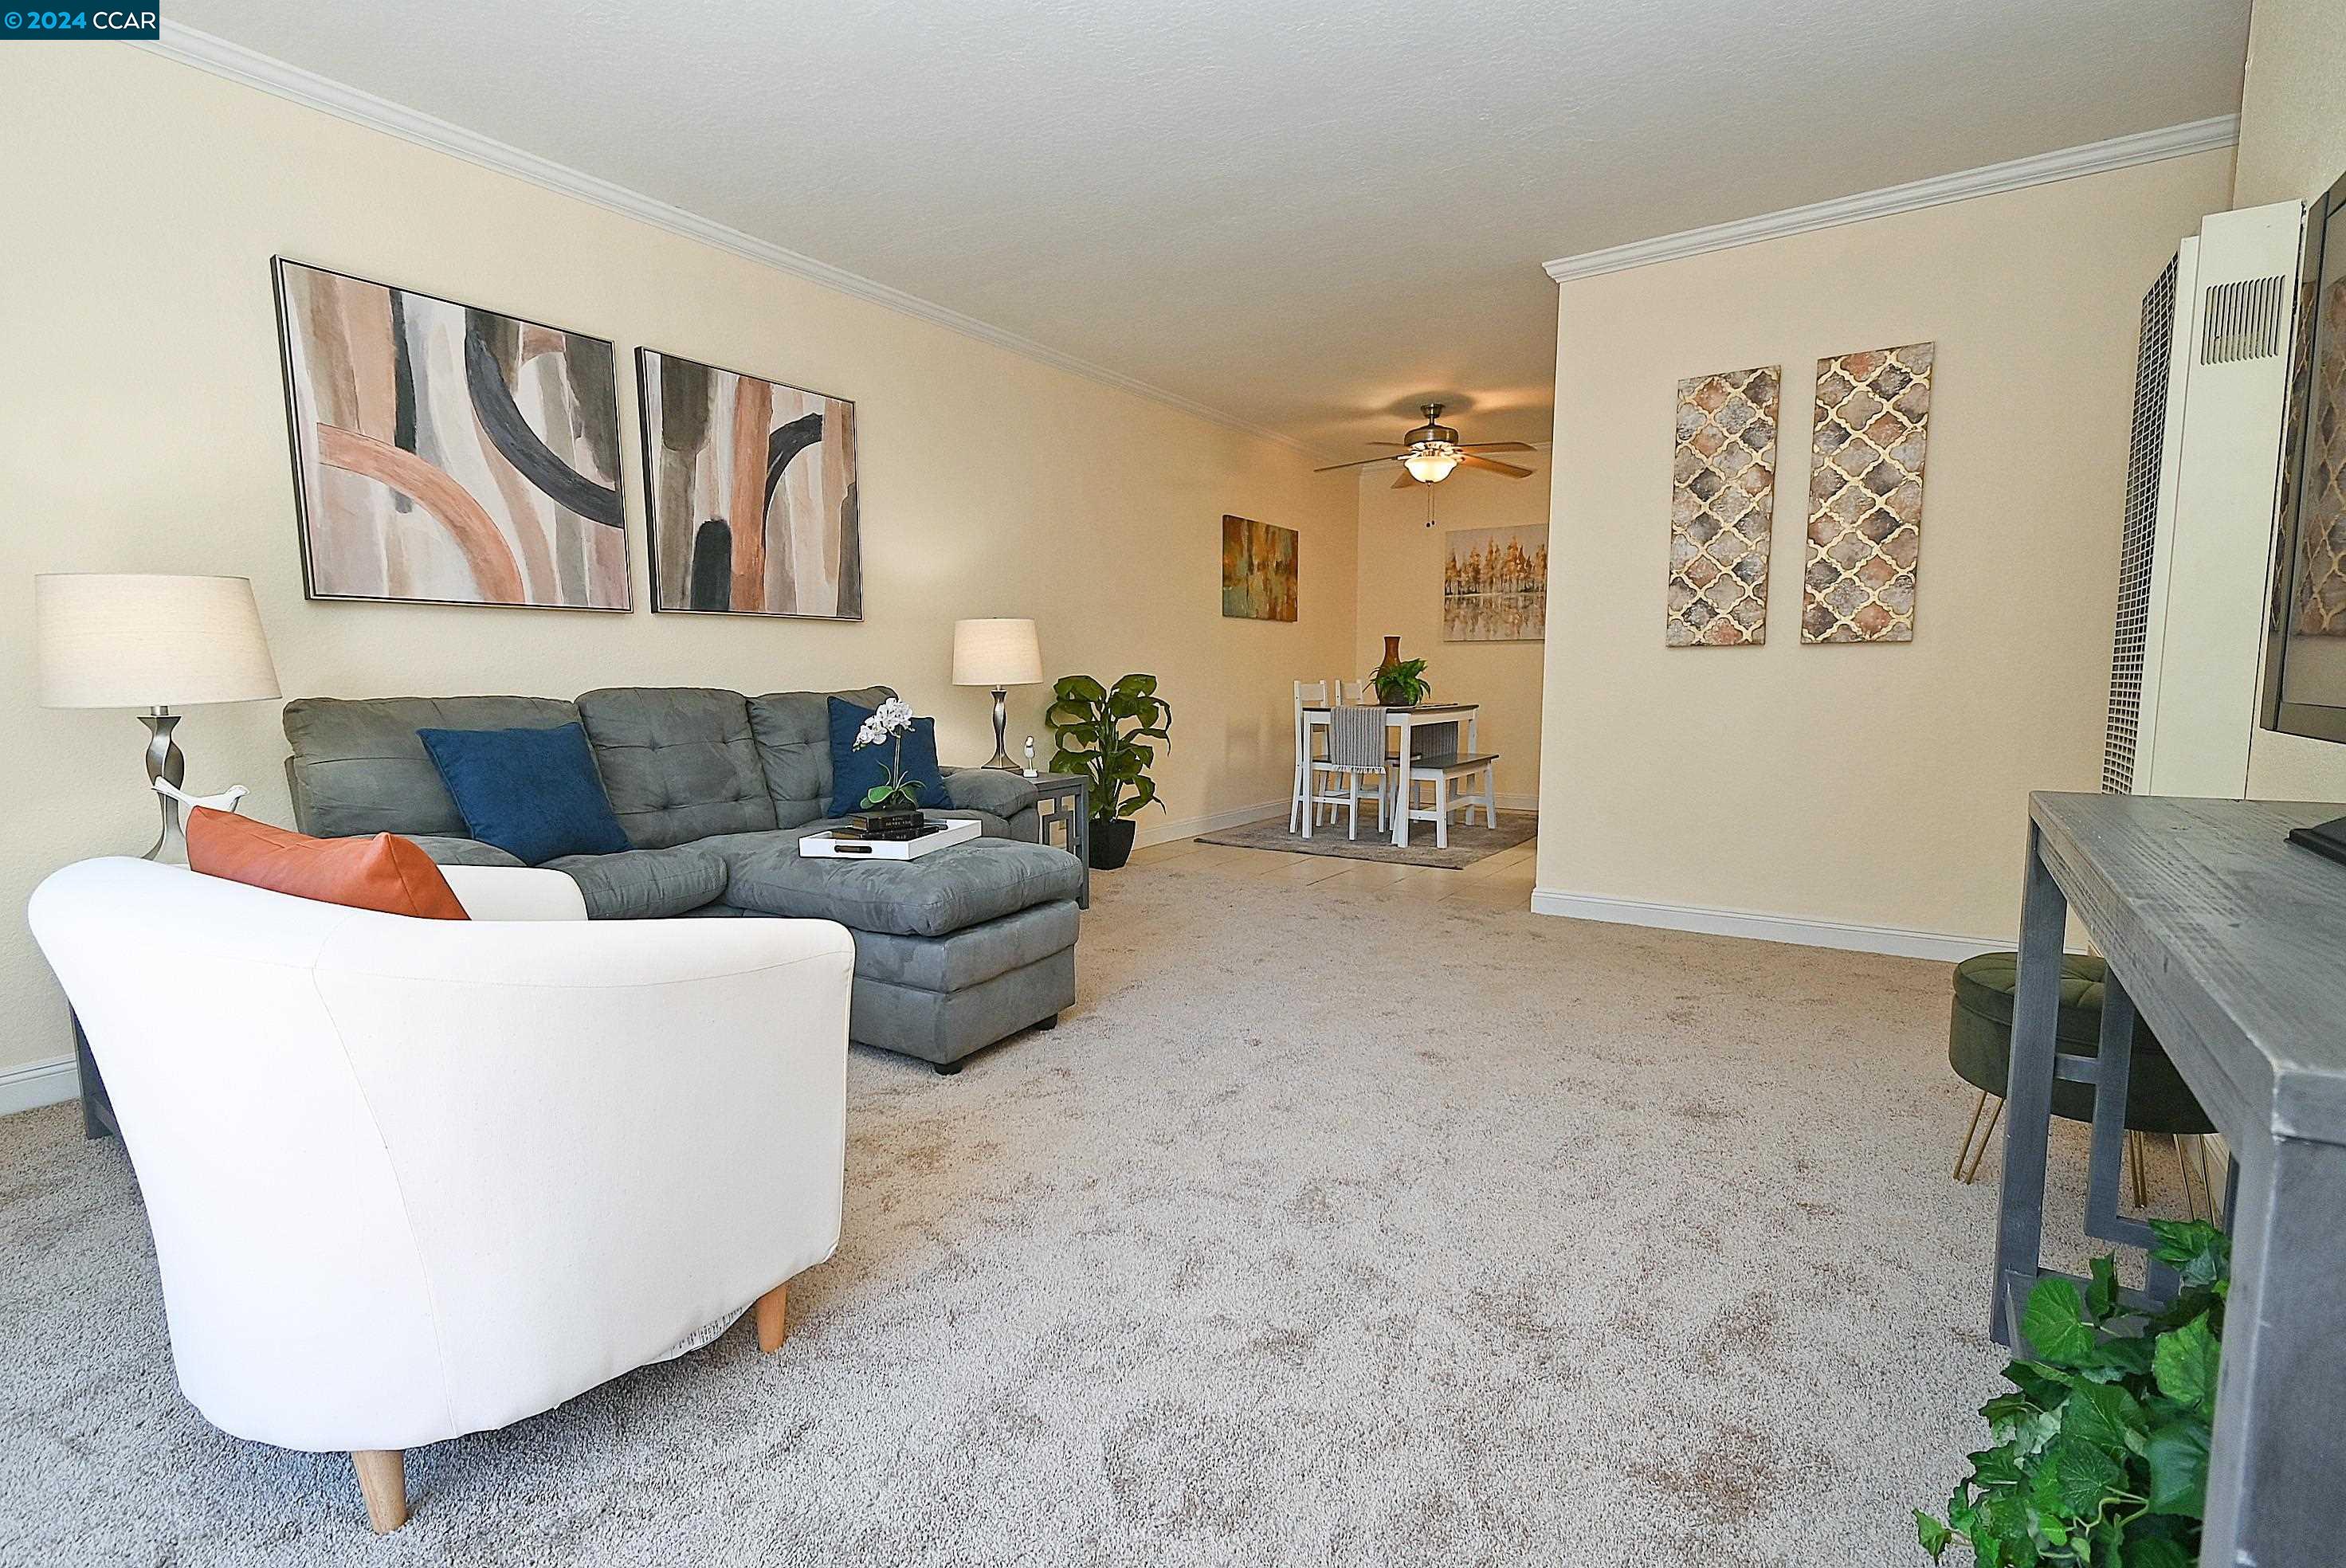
(1979, 1048)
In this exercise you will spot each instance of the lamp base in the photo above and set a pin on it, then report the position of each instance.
(1001, 757)
(167, 762)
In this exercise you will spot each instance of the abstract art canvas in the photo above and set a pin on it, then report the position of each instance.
(1494, 585)
(1865, 495)
(751, 488)
(445, 454)
(1722, 509)
(1259, 576)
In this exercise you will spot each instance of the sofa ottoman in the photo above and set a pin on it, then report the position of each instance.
(954, 951)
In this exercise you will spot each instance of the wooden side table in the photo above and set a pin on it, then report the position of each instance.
(1066, 800)
(2225, 937)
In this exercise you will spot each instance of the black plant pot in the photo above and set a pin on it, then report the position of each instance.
(1111, 843)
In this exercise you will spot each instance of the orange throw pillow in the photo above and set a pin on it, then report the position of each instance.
(385, 872)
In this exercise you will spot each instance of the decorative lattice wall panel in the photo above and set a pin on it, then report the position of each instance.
(1722, 509)
(2321, 536)
(1865, 495)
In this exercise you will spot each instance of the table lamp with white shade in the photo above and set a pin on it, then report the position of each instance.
(999, 654)
(152, 642)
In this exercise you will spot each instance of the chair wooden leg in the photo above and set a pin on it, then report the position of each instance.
(383, 1481)
(773, 1318)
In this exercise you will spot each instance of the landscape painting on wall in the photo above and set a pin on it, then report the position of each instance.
(751, 487)
(1259, 570)
(1494, 585)
(443, 454)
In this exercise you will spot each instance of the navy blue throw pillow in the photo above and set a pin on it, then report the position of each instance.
(854, 773)
(533, 793)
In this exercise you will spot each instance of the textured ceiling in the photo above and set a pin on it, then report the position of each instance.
(1306, 214)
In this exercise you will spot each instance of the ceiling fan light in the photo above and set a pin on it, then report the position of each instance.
(1431, 466)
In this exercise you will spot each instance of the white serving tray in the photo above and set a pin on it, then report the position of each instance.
(823, 847)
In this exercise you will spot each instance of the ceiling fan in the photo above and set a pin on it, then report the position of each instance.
(1431, 450)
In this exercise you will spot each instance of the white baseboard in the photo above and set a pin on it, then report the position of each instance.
(32, 1084)
(1165, 832)
(1939, 945)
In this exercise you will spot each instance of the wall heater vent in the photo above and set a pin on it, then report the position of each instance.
(2145, 456)
(2245, 321)
(2196, 544)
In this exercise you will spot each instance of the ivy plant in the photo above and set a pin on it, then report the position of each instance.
(1103, 732)
(2098, 1456)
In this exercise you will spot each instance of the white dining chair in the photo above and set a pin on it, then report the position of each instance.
(1356, 743)
(1301, 802)
(1321, 792)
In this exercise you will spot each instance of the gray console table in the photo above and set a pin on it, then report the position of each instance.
(2231, 942)
(1064, 800)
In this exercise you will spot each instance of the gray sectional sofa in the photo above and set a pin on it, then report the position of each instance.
(955, 951)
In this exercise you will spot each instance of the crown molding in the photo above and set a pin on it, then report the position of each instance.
(2044, 168)
(189, 46)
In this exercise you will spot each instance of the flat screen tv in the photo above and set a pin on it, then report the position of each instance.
(2305, 668)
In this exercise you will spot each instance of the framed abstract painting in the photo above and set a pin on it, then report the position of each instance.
(1259, 570)
(446, 454)
(751, 488)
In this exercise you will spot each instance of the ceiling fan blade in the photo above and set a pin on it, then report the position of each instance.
(1362, 463)
(1402, 444)
(1493, 465)
(1406, 480)
(1499, 446)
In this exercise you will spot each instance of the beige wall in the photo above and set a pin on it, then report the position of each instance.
(1873, 785)
(145, 430)
(2293, 144)
(1400, 591)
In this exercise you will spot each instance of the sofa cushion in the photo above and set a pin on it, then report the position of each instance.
(680, 763)
(793, 732)
(857, 770)
(383, 872)
(357, 766)
(645, 884)
(973, 956)
(446, 850)
(943, 891)
(996, 792)
(533, 793)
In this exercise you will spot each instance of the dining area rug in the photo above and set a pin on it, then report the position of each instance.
(1468, 842)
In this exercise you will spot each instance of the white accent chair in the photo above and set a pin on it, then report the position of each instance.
(409, 1178)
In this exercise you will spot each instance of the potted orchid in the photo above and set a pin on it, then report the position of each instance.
(893, 805)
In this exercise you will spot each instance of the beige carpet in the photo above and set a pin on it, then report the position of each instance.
(1335, 1226)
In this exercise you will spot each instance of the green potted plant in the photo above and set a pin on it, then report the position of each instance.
(1103, 733)
(2099, 1453)
(1400, 683)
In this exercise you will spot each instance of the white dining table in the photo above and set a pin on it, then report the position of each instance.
(1403, 720)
